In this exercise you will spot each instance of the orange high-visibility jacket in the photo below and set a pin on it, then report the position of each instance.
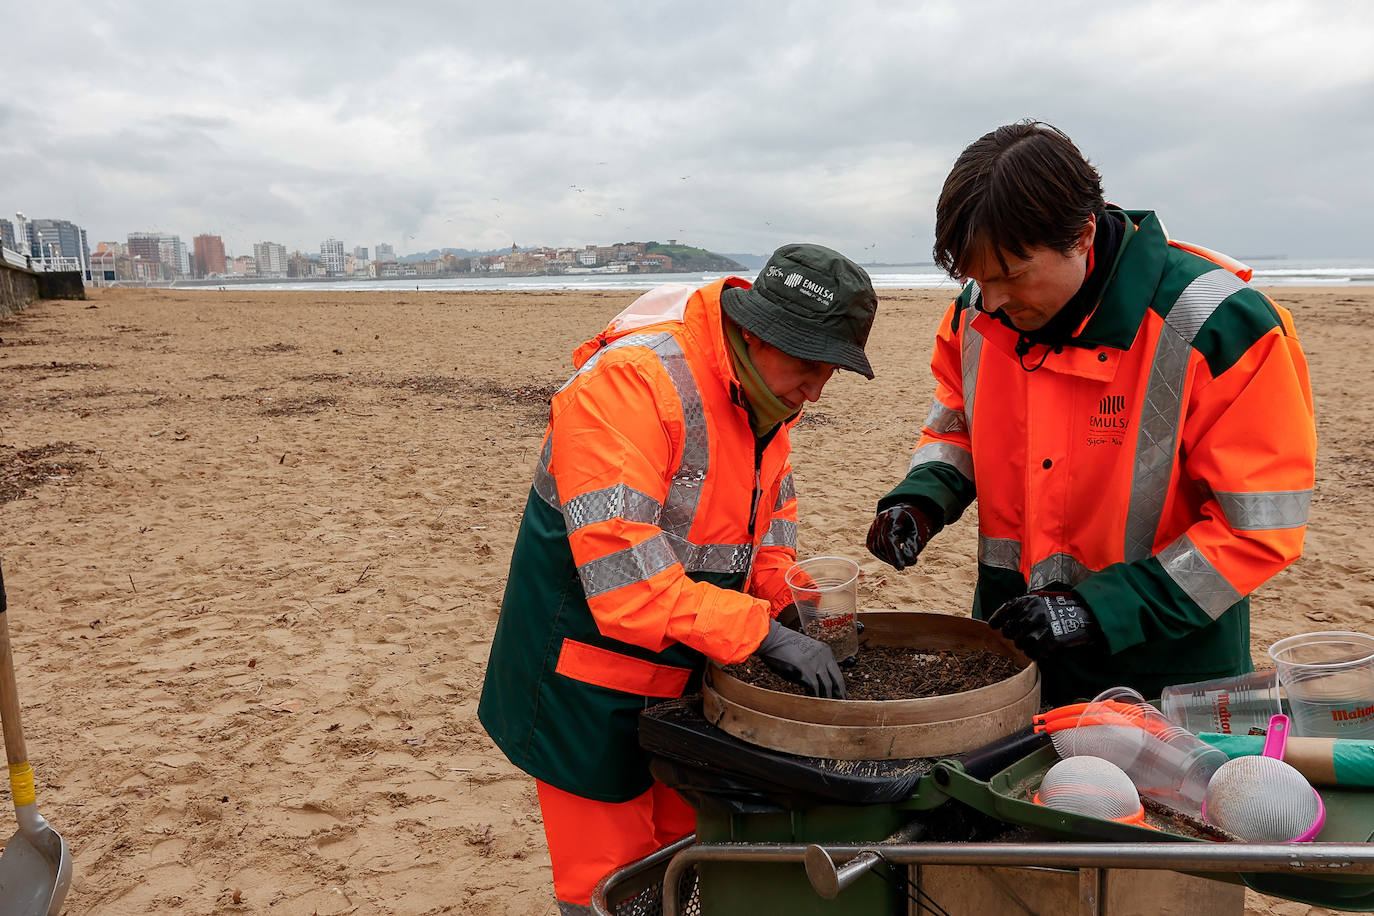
(1161, 466)
(657, 534)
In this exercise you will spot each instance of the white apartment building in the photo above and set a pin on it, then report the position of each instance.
(332, 257)
(270, 258)
(175, 255)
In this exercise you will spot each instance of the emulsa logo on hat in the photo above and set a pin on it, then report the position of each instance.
(807, 287)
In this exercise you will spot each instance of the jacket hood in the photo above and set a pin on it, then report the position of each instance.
(673, 303)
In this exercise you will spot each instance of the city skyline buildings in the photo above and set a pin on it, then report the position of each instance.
(155, 256)
(159, 256)
(165, 255)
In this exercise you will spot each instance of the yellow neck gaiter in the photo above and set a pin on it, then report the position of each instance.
(765, 410)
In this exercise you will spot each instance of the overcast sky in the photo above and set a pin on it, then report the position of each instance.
(736, 126)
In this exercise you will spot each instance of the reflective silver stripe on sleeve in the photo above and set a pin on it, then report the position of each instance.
(619, 501)
(717, 558)
(787, 491)
(781, 533)
(943, 420)
(679, 507)
(1058, 568)
(624, 567)
(1162, 406)
(999, 553)
(684, 490)
(1265, 511)
(953, 455)
(544, 484)
(1198, 578)
(969, 357)
(1201, 298)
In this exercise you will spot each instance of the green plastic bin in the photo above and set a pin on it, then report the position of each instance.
(753, 796)
(752, 888)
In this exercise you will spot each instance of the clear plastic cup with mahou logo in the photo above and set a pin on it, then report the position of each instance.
(1329, 679)
(1226, 706)
(826, 591)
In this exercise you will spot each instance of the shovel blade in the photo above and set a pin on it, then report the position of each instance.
(35, 872)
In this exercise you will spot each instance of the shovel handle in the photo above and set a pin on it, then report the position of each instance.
(15, 751)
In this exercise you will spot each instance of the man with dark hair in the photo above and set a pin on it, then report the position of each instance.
(661, 524)
(1134, 420)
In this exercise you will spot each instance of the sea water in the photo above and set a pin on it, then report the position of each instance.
(1312, 272)
(1269, 272)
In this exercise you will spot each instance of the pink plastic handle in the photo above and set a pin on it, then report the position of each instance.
(1311, 833)
(1276, 738)
(1275, 742)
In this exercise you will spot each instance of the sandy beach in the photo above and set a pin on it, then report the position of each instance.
(255, 544)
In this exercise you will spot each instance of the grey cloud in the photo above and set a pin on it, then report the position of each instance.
(739, 124)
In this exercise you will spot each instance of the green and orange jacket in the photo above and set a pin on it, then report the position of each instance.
(1162, 465)
(656, 535)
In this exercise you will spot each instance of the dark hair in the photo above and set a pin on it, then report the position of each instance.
(1021, 186)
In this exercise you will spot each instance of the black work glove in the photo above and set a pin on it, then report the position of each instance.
(1043, 623)
(801, 660)
(790, 617)
(898, 534)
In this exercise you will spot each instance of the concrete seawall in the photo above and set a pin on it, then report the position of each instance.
(19, 287)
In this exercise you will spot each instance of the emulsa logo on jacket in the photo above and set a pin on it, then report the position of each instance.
(1109, 424)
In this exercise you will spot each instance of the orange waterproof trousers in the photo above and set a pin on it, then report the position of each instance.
(590, 839)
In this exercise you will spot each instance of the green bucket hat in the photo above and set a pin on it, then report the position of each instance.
(811, 303)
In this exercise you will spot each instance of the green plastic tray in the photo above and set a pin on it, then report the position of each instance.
(1006, 796)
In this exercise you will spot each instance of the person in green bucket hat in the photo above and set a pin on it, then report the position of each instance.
(657, 535)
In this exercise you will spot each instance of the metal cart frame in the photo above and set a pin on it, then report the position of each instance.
(669, 868)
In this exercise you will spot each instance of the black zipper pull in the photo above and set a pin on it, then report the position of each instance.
(754, 500)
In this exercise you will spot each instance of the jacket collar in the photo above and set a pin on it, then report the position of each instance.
(704, 311)
(1131, 285)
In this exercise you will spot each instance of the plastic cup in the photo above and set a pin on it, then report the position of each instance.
(1329, 679)
(826, 590)
(1225, 706)
(1165, 762)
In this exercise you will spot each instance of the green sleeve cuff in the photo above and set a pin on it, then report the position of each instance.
(1138, 602)
(937, 488)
